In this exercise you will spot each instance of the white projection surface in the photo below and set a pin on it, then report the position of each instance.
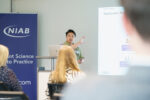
(114, 52)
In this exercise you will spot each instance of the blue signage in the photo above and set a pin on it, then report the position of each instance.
(19, 33)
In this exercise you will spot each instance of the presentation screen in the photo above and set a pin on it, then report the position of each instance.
(114, 52)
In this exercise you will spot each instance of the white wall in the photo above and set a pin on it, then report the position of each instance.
(5, 6)
(42, 85)
(55, 17)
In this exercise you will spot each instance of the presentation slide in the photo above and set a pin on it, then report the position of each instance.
(114, 52)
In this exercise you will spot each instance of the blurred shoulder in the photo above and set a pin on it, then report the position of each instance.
(5, 69)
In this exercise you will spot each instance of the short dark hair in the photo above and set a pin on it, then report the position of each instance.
(71, 31)
(138, 12)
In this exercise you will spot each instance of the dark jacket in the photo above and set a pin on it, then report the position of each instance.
(8, 77)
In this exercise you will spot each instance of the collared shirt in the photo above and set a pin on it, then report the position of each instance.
(77, 51)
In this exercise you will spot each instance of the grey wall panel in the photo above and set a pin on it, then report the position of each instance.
(5, 6)
(55, 17)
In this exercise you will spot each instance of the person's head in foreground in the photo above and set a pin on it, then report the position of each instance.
(136, 21)
(7, 76)
(4, 53)
(66, 61)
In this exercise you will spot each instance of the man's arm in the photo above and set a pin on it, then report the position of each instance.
(74, 46)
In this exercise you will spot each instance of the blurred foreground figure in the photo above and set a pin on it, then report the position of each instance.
(7, 76)
(136, 84)
(67, 69)
(66, 72)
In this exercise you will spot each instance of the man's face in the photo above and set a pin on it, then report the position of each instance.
(70, 37)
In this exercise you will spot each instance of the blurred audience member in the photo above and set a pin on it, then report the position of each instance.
(7, 76)
(67, 69)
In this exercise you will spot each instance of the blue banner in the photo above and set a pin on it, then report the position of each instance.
(19, 33)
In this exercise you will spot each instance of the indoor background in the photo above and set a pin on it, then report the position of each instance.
(55, 17)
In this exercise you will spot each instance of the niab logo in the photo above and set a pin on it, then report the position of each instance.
(16, 32)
